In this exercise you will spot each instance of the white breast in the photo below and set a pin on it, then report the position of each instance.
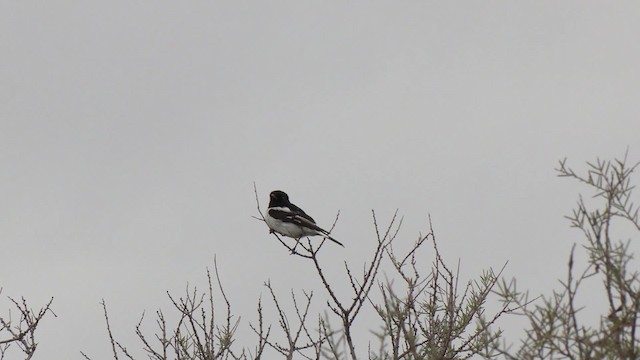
(284, 228)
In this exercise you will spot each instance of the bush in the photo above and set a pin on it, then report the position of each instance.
(556, 327)
(424, 312)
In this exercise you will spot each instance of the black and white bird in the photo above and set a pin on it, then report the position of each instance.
(289, 220)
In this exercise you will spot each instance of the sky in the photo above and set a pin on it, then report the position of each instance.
(131, 134)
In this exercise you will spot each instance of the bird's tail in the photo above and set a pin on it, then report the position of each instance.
(326, 236)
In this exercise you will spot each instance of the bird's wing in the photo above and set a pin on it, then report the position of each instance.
(294, 217)
(299, 218)
(297, 210)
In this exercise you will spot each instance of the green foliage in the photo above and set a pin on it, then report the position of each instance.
(556, 328)
(433, 318)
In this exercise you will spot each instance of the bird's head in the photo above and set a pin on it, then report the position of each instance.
(278, 198)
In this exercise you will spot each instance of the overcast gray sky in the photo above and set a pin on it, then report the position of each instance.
(131, 134)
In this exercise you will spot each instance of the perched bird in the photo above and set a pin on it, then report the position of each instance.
(289, 220)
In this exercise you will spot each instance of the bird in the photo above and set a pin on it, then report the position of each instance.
(287, 219)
